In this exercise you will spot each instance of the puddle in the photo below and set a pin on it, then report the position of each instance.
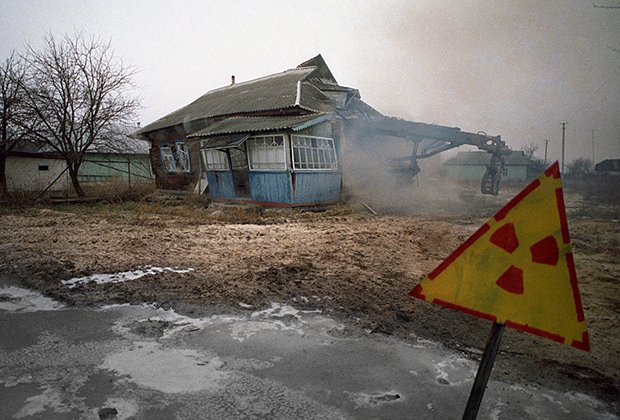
(122, 276)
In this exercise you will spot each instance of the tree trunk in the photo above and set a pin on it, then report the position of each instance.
(73, 174)
(4, 191)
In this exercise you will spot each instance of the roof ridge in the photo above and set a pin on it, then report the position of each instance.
(315, 114)
(258, 79)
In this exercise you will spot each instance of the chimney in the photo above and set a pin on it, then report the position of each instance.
(232, 80)
(138, 124)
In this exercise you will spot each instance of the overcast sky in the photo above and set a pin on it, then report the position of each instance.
(514, 68)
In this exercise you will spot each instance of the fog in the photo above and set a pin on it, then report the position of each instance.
(513, 68)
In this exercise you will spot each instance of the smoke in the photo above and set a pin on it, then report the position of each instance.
(370, 179)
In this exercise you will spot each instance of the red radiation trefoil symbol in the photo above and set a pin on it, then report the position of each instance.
(544, 251)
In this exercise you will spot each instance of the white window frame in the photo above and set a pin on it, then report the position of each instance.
(265, 155)
(167, 158)
(182, 156)
(319, 153)
(214, 159)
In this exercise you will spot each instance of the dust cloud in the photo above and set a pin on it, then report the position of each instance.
(371, 178)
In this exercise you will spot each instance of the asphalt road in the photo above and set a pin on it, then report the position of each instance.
(145, 362)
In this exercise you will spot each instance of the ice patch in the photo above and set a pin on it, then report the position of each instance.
(276, 318)
(454, 371)
(362, 399)
(50, 399)
(122, 276)
(171, 370)
(16, 299)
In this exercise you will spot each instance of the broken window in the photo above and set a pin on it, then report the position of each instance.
(215, 160)
(239, 158)
(176, 157)
(167, 158)
(182, 156)
(267, 152)
(314, 153)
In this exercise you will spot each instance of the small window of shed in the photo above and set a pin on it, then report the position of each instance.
(44, 168)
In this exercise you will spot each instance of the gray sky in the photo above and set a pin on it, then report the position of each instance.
(517, 68)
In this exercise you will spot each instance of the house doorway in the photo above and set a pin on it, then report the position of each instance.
(239, 165)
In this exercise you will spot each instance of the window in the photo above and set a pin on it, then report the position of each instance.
(239, 158)
(44, 168)
(176, 157)
(314, 153)
(167, 158)
(215, 160)
(267, 152)
(182, 156)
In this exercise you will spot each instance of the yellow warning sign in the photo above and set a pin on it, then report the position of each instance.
(518, 268)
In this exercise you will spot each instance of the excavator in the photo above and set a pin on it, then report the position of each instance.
(430, 139)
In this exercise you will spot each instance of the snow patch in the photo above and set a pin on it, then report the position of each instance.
(167, 370)
(123, 276)
(454, 371)
(16, 299)
(362, 399)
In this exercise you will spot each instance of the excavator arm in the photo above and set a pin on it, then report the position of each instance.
(430, 139)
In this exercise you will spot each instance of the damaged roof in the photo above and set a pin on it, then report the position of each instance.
(260, 124)
(300, 88)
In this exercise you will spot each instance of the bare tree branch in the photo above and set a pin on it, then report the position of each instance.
(530, 149)
(14, 118)
(79, 91)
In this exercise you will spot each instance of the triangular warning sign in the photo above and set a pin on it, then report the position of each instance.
(518, 268)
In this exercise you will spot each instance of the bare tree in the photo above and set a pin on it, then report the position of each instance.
(579, 167)
(14, 119)
(530, 149)
(79, 91)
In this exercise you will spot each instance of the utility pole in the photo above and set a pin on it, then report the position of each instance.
(593, 163)
(563, 139)
(546, 144)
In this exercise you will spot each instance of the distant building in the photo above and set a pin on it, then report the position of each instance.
(608, 167)
(35, 168)
(470, 166)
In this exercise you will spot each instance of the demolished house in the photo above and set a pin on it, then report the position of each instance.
(284, 140)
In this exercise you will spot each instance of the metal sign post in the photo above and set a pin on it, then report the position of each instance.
(484, 371)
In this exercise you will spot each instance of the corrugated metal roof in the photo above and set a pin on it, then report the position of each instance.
(260, 124)
(480, 158)
(278, 91)
(224, 141)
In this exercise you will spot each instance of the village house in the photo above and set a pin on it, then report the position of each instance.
(470, 166)
(286, 139)
(34, 168)
(608, 167)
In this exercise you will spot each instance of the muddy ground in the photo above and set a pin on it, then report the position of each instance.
(345, 261)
